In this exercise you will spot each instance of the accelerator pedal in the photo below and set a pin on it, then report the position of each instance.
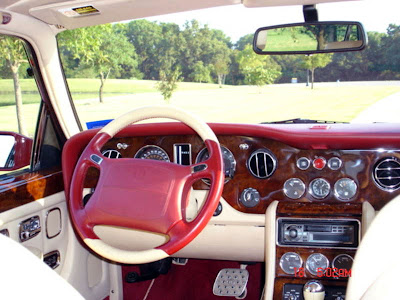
(231, 283)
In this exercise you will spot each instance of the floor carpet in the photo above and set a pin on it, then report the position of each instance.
(194, 281)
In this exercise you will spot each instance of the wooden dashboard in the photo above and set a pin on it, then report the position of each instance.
(357, 165)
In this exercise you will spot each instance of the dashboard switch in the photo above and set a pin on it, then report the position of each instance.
(303, 163)
(319, 163)
(334, 163)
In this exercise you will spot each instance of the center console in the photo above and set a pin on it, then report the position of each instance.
(314, 245)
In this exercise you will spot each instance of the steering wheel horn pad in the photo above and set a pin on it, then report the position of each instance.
(143, 194)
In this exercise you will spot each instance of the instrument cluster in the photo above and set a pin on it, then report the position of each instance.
(344, 189)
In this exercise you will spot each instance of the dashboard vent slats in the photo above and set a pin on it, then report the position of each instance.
(387, 174)
(262, 163)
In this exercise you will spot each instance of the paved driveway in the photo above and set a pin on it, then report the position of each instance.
(385, 110)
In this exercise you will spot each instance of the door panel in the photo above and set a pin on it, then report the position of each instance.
(35, 195)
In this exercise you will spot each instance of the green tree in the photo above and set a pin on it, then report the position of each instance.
(13, 52)
(102, 48)
(221, 61)
(244, 41)
(312, 62)
(146, 37)
(168, 83)
(258, 69)
(201, 73)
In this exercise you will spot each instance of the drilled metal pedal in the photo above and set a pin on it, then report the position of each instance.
(231, 282)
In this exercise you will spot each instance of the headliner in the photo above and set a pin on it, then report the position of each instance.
(55, 12)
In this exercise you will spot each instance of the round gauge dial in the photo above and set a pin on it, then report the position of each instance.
(289, 261)
(345, 189)
(317, 263)
(111, 153)
(319, 188)
(229, 162)
(152, 152)
(294, 188)
(342, 261)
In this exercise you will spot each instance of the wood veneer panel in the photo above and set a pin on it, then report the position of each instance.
(357, 165)
(28, 187)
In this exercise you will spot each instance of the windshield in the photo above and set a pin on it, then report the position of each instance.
(205, 64)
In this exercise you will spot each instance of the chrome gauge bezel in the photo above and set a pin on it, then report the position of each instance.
(223, 148)
(281, 261)
(308, 262)
(152, 146)
(286, 189)
(337, 257)
(337, 187)
(310, 189)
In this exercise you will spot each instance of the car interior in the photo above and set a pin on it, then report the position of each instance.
(183, 208)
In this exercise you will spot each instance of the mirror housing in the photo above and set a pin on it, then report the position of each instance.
(310, 38)
(15, 151)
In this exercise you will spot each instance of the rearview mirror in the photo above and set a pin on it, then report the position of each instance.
(15, 151)
(309, 38)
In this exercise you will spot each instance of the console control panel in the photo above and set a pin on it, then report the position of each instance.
(29, 228)
(295, 292)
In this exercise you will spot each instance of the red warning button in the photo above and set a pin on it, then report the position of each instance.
(319, 163)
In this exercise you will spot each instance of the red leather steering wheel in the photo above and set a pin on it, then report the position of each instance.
(145, 195)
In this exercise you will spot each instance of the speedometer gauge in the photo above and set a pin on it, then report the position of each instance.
(152, 152)
(319, 188)
(229, 162)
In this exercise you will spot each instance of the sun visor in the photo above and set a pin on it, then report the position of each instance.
(265, 3)
(74, 14)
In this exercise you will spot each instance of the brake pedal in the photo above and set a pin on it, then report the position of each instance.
(231, 283)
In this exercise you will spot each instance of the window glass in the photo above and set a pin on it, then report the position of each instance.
(205, 64)
(19, 96)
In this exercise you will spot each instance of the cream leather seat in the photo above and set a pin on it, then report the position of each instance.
(25, 276)
(377, 265)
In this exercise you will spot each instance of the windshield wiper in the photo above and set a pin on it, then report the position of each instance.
(300, 120)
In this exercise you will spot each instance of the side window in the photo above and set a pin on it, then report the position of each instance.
(19, 105)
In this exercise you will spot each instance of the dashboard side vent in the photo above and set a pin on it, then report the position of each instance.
(262, 163)
(387, 174)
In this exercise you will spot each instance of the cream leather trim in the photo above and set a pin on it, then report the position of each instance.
(116, 287)
(43, 283)
(270, 250)
(368, 215)
(124, 256)
(373, 257)
(129, 239)
(160, 111)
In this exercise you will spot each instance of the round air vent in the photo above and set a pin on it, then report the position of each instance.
(262, 163)
(111, 153)
(387, 173)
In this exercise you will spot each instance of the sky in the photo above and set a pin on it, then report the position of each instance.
(237, 21)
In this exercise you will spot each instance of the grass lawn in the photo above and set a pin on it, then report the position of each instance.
(242, 104)
(88, 88)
